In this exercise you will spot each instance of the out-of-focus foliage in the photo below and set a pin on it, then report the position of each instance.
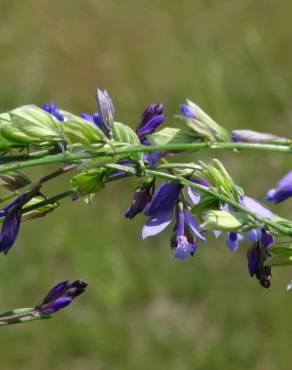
(144, 310)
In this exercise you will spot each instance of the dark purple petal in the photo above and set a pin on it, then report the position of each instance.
(188, 111)
(10, 229)
(53, 109)
(56, 305)
(266, 238)
(61, 295)
(283, 189)
(157, 223)
(232, 240)
(151, 118)
(253, 259)
(249, 136)
(255, 206)
(165, 197)
(141, 198)
(56, 291)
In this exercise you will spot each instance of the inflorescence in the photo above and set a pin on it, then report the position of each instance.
(199, 198)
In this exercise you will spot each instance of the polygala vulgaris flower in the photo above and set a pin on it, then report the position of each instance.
(185, 234)
(160, 208)
(104, 118)
(142, 196)
(250, 136)
(151, 118)
(283, 189)
(60, 296)
(54, 110)
(11, 224)
(257, 255)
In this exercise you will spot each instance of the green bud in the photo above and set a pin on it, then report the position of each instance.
(220, 178)
(89, 181)
(171, 135)
(223, 220)
(204, 125)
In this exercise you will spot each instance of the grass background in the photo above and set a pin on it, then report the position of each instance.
(144, 310)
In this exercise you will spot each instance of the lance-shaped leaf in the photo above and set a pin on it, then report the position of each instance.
(79, 130)
(125, 135)
(223, 220)
(89, 181)
(171, 135)
(36, 123)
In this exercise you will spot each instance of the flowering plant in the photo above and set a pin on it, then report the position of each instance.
(198, 198)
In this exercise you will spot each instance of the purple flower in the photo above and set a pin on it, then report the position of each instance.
(54, 110)
(249, 136)
(151, 118)
(106, 111)
(165, 197)
(141, 198)
(255, 206)
(232, 240)
(104, 118)
(160, 208)
(11, 224)
(283, 189)
(60, 296)
(185, 234)
(257, 255)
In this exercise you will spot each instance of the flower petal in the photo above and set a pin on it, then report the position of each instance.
(232, 240)
(255, 206)
(164, 198)
(157, 223)
(191, 222)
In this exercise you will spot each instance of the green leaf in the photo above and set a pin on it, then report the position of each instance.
(124, 134)
(278, 260)
(89, 181)
(36, 123)
(284, 249)
(79, 130)
(171, 135)
(223, 220)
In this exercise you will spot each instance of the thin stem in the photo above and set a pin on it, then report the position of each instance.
(44, 156)
(221, 197)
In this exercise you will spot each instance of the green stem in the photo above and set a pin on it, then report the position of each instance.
(44, 156)
(223, 198)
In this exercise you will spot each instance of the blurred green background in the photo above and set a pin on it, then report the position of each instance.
(143, 309)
